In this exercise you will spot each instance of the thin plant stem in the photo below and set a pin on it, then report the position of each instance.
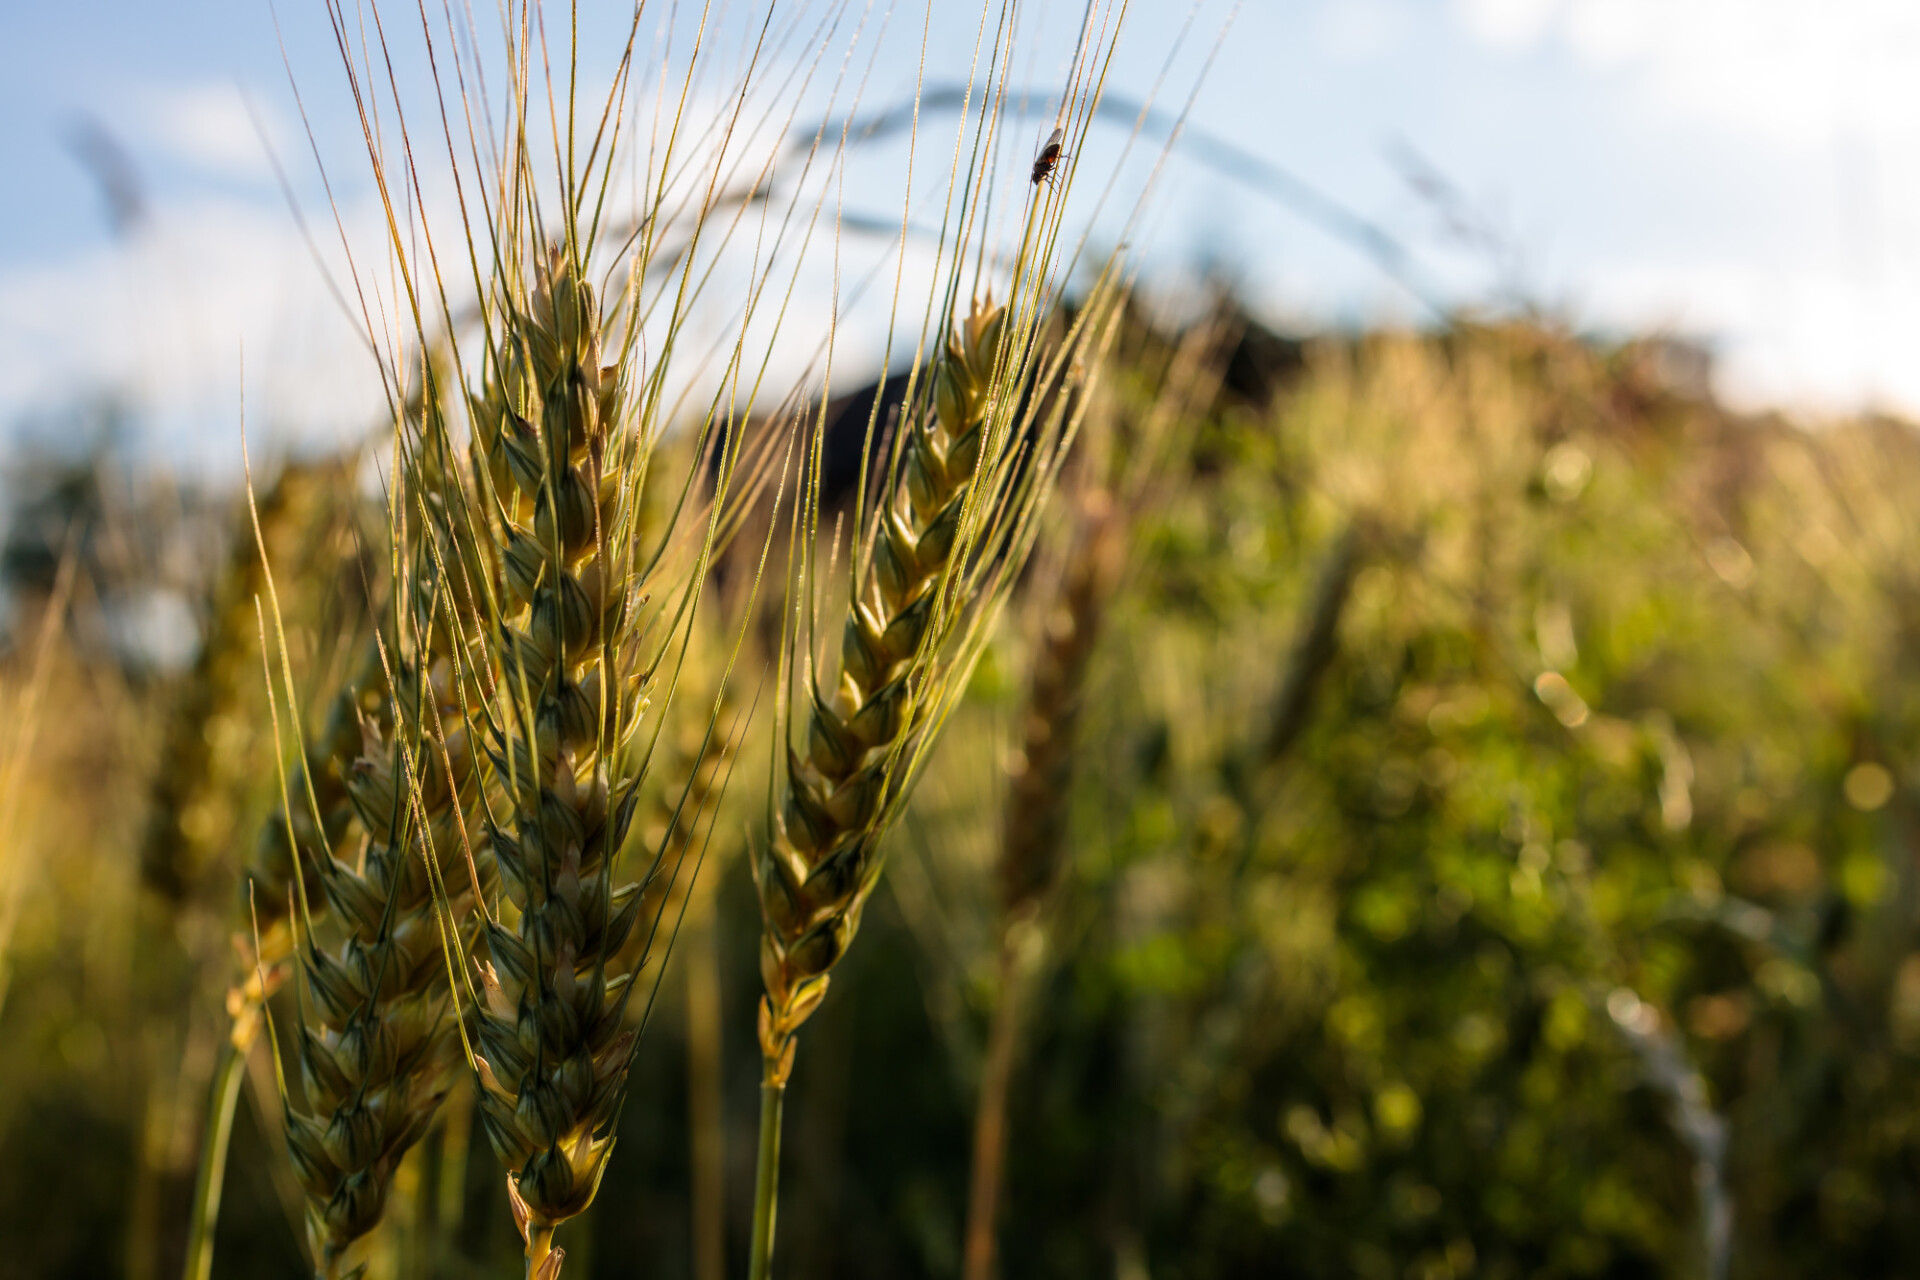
(990, 1123)
(766, 1178)
(212, 1176)
(706, 1115)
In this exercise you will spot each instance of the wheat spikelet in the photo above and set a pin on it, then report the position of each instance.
(819, 866)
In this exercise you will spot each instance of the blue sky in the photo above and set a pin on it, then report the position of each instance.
(1737, 170)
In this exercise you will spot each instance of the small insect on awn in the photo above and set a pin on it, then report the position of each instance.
(1049, 156)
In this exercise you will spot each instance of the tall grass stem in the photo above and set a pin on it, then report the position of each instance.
(990, 1123)
(766, 1182)
(706, 1115)
(211, 1180)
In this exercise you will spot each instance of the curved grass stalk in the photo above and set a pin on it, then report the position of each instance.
(1034, 846)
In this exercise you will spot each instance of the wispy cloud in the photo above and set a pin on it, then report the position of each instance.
(1791, 71)
(213, 128)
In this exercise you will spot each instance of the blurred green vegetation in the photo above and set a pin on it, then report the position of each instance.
(1490, 852)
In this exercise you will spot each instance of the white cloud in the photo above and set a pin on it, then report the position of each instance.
(210, 127)
(1361, 29)
(160, 322)
(1507, 24)
(1783, 69)
(1815, 110)
(1784, 334)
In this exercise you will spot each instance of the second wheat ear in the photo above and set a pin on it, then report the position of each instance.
(378, 1054)
(820, 866)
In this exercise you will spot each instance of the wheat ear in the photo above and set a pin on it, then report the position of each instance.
(552, 1049)
(816, 872)
(820, 863)
(378, 1054)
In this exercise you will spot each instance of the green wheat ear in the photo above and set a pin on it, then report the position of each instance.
(379, 1050)
(818, 868)
(552, 1047)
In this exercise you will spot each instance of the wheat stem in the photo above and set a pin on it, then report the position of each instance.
(211, 1178)
(543, 1259)
(990, 1123)
(706, 1115)
(766, 1181)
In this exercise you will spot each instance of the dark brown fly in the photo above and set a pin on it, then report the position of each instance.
(1049, 156)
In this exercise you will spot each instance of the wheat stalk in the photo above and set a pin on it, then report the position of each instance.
(1118, 494)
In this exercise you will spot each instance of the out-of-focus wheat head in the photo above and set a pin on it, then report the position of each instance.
(206, 790)
(1135, 437)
